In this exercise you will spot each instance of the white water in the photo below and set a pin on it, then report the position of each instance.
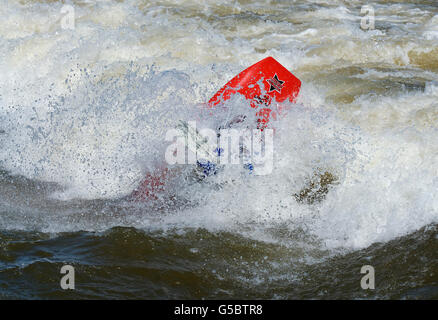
(88, 109)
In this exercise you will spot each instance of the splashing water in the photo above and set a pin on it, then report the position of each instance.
(84, 114)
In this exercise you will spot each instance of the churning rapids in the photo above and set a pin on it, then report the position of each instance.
(83, 117)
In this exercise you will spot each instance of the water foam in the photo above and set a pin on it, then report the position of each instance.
(75, 111)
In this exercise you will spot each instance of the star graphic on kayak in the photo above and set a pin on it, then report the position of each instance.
(275, 84)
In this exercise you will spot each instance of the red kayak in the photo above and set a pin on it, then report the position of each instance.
(260, 84)
(278, 84)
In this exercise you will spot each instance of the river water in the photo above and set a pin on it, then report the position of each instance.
(85, 107)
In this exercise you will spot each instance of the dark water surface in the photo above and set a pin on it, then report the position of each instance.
(126, 263)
